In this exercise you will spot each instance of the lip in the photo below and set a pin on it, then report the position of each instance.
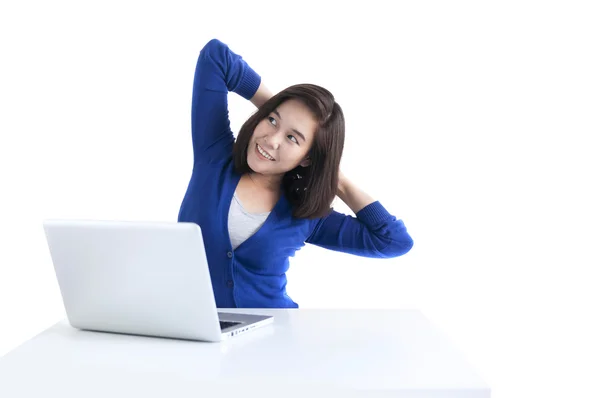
(261, 156)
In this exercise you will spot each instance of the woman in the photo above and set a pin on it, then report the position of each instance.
(261, 197)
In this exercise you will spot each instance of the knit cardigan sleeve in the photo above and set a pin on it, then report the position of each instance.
(218, 71)
(374, 232)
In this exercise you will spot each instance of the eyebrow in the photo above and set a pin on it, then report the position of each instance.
(294, 130)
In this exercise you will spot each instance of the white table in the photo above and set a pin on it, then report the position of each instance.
(305, 353)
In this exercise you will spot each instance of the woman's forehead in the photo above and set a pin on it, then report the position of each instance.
(296, 115)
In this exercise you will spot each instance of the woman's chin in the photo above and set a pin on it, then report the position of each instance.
(256, 167)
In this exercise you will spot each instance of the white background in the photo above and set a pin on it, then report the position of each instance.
(472, 122)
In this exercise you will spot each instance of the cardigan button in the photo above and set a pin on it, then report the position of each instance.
(230, 284)
(229, 254)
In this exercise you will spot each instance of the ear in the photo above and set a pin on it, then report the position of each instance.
(305, 163)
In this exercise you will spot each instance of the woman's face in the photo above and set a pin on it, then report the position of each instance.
(282, 140)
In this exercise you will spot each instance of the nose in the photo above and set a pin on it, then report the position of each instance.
(273, 141)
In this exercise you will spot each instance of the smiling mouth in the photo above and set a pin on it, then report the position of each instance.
(264, 154)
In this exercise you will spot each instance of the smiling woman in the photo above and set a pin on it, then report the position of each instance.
(302, 130)
(261, 197)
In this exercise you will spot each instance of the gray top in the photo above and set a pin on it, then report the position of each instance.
(241, 223)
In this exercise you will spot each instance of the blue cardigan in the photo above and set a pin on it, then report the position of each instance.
(253, 275)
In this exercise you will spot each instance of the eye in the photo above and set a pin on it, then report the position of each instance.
(272, 121)
(293, 138)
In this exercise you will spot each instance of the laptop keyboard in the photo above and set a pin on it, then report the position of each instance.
(225, 324)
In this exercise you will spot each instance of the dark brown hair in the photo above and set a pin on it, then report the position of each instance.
(311, 189)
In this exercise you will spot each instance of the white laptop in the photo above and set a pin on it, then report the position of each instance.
(141, 278)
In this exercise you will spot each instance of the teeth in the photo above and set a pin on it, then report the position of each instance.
(264, 153)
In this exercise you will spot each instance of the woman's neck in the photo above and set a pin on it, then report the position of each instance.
(268, 183)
